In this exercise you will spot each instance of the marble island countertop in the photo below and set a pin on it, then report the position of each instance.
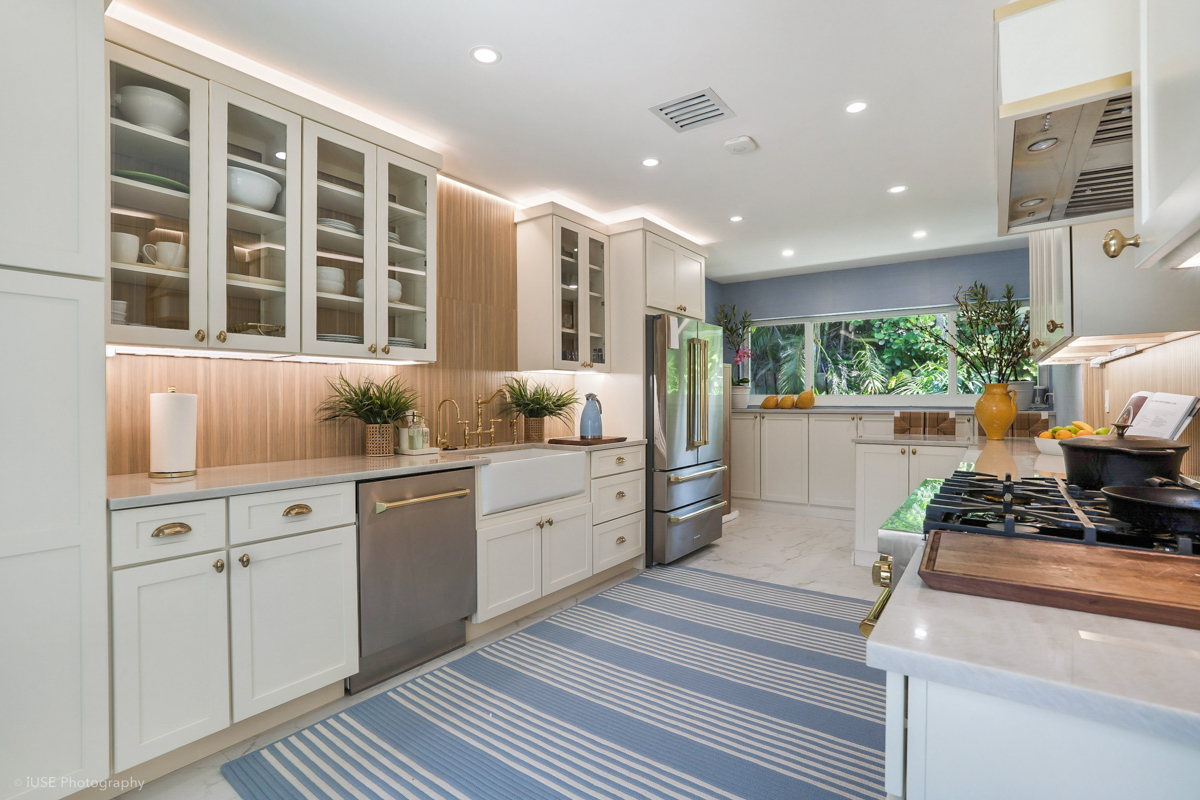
(1136, 675)
(138, 489)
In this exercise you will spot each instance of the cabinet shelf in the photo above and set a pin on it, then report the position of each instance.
(253, 287)
(249, 220)
(404, 249)
(144, 144)
(338, 239)
(408, 270)
(339, 302)
(128, 193)
(398, 214)
(340, 199)
(399, 309)
(149, 275)
(257, 166)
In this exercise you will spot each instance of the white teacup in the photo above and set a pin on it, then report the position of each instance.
(166, 254)
(125, 248)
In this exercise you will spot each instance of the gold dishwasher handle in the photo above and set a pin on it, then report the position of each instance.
(382, 507)
(171, 529)
(694, 475)
(297, 510)
(719, 505)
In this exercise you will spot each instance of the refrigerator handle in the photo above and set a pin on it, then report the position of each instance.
(698, 392)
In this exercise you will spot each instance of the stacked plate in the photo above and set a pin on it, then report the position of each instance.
(399, 341)
(339, 337)
(341, 225)
(119, 308)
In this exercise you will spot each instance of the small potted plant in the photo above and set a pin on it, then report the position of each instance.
(538, 401)
(379, 405)
(736, 332)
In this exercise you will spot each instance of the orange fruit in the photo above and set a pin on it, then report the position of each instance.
(1045, 435)
(1064, 434)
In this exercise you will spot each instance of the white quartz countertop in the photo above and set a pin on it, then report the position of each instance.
(137, 490)
(1016, 456)
(1136, 675)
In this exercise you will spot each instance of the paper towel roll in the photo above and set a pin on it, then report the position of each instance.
(172, 434)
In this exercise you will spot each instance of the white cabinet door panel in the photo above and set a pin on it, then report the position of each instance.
(660, 274)
(689, 283)
(932, 462)
(170, 656)
(293, 617)
(784, 443)
(566, 548)
(509, 568)
(876, 424)
(744, 455)
(831, 459)
(881, 478)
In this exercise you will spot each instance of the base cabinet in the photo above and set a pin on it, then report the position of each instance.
(293, 617)
(566, 548)
(744, 455)
(784, 443)
(170, 634)
(509, 567)
(831, 459)
(932, 462)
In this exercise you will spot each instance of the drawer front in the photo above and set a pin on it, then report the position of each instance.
(618, 495)
(617, 541)
(623, 459)
(178, 529)
(266, 515)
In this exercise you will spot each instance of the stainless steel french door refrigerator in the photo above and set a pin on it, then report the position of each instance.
(684, 429)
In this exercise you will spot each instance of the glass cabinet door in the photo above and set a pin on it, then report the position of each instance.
(597, 301)
(407, 258)
(254, 229)
(157, 163)
(581, 281)
(340, 279)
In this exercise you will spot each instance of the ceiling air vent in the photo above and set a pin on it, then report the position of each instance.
(693, 110)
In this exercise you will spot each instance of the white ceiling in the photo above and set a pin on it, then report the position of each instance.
(565, 111)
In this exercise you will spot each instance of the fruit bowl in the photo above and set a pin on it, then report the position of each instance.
(1051, 447)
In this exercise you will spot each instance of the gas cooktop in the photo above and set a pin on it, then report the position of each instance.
(1041, 508)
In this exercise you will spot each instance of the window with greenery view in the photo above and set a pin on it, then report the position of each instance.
(777, 360)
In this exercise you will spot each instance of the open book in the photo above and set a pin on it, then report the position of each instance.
(1160, 414)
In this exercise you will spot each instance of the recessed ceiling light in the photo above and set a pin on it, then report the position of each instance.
(897, 189)
(281, 155)
(1035, 201)
(485, 55)
(919, 234)
(856, 107)
(1042, 144)
(787, 253)
(649, 162)
(735, 219)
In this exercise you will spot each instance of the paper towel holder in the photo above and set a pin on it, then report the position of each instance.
(178, 474)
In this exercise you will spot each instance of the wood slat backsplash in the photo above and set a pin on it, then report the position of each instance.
(1173, 367)
(256, 411)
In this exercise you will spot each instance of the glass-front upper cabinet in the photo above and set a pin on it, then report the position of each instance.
(340, 279)
(158, 197)
(254, 224)
(406, 254)
(581, 286)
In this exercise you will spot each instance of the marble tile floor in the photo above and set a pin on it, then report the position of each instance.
(806, 552)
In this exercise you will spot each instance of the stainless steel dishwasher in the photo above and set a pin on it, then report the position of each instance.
(416, 571)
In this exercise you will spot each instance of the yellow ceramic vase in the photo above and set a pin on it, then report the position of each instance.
(996, 409)
(805, 399)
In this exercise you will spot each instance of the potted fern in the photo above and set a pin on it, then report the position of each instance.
(537, 402)
(378, 405)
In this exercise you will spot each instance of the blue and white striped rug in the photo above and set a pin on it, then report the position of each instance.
(677, 684)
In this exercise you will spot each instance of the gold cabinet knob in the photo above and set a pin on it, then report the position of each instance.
(550, 521)
(620, 540)
(903, 451)
(620, 459)
(371, 349)
(387, 348)
(541, 523)
(244, 560)
(914, 451)
(620, 495)
(1036, 343)
(860, 417)
(219, 565)
(1052, 326)
(683, 308)
(200, 335)
(298, 510)
(1115, 242)
(221, 337)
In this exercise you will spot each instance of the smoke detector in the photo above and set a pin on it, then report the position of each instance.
(741, 144)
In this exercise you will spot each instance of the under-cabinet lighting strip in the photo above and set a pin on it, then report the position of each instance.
(240, 355)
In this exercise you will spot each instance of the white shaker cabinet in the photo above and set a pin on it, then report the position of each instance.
(293, 617)
(566, 548)
(1166, 156)
(831, 459)
(784, 443)
(876, 424)
(509, 567)
(932, 462)
(53, 565)
(170, 656)
(674, 277)
(744, 455)
(881, 485)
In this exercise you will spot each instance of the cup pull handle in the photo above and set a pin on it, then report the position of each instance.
(171, 529)
(297, 510)
(620, 540)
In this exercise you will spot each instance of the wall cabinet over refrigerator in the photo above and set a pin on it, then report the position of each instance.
(563, 311)
(674, 277)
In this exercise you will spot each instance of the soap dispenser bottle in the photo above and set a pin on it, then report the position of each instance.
(589, 421)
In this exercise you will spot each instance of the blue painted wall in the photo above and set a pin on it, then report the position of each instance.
(911, 284)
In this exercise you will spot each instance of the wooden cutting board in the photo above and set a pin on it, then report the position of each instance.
(1135, 584)
(580, 441)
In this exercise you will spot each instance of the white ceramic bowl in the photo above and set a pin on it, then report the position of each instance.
(119, 306)
(395, 290)
(358, 288)
(1051, 447)
(331, 287)
(331, 274)
(253, 189)
(153, 109)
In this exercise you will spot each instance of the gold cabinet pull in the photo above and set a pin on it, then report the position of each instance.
(298, 510)
(200, 335)
(620, 459)
(382, 507)
(620, 495)
(387, 348)
(550, 521)
(694, 475)
(219, 565)
(371, 349)
(715, 507)
(171, 529)
(1052, 326)
(244, 560)
(221, 337)
(1115, 242)
(620, 540)
(541, 523)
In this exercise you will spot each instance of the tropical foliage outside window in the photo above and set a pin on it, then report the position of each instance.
(777, 360)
